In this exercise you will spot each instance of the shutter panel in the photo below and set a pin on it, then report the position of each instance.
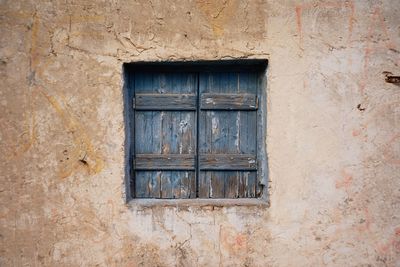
(165, 134)
(228, 134)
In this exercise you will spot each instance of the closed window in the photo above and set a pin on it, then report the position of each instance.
(196, 130)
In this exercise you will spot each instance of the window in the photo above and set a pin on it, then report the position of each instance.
(196, 129)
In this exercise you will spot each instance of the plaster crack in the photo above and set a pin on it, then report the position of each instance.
(90, 53)
(190, 42)
(221, 9)
(159, 19)
(180, 245)
(139, 48)
(219, 247)
(246, 12)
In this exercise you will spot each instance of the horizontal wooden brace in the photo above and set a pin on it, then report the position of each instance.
(228, 101)
(228, 162)
(164, 162)
(164, 102)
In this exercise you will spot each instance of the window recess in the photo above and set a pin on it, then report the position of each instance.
(196, 129)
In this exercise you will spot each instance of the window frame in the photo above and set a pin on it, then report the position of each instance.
(256, 65)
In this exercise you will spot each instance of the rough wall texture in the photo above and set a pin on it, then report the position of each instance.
(333, 133)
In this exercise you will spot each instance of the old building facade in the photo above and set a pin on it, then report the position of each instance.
(332, 136)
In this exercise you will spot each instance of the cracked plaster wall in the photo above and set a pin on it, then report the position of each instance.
(333, 133)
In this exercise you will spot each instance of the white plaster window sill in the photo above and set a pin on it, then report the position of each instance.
(151, 202)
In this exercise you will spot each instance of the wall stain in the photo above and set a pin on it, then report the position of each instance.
(376, 21)
(83, 148)
(318, 5)
(346, 180)
(234, 242)
(387, 147)
(392, 156)
(29, 135)
(218, 13)
(392, 244)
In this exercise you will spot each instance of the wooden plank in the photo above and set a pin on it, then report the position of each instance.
(141, 181)
(164, 162)
(242, 185)
(188, 184)
(204, 184)
(225, 101)
(167, 127)
(217, 184)
(231, 184)
(229, 128)
(204, 147)
(147, 140)
(251, 182)
(147, 184)
(165, 102)
(220, 123)
(248, 83)
(166, 184)
(227, 162)
(247, 184)
(178, 135)
(204, 143)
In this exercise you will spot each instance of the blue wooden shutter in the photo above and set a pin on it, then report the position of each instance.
(165, 134)
(228, 134)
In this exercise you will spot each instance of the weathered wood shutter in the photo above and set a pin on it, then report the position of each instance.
(228, 134)
(197, 132)
(165, 134)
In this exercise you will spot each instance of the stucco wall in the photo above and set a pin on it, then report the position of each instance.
(333, 133)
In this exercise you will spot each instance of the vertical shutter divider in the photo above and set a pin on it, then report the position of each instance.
(197, 175)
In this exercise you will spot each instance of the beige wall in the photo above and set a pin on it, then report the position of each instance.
(333, 133)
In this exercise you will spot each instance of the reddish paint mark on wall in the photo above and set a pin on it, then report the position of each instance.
(377, 22)
(299, 10)
(336, 4)
(388, 149)
(356, 132)
(241, 240)
(360, 132)
(390, 155)
(368, 220)
(345, 181)
(233, 242)
(392, 244)
(397, 231)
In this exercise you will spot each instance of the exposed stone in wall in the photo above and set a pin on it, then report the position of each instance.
(333, 133)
